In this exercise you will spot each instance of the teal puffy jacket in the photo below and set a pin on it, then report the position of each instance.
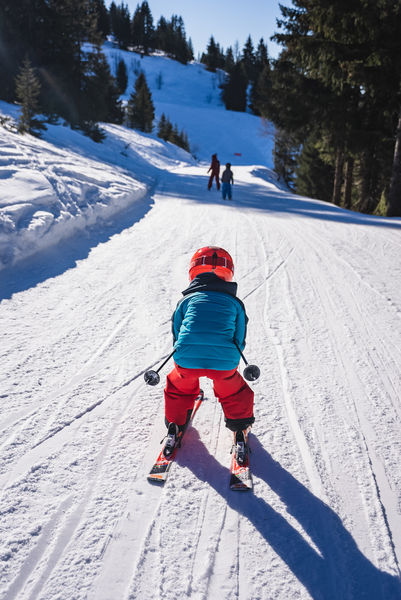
(206, 323)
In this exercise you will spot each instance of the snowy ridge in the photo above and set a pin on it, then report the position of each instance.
(64, 184)
(82, 321)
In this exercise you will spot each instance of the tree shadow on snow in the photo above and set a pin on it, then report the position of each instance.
(269, 198)
(55, 260)
(256, 197)
(337, 570)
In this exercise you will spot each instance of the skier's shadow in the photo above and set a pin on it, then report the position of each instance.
(338, 570)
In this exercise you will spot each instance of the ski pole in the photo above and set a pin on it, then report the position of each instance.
(251, 372)
(152, 377)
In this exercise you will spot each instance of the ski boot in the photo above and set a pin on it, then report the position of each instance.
(172, 440)
(240, 446)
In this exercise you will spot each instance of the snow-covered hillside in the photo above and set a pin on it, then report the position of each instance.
(83, 319)
(190, 96)
(65, 183)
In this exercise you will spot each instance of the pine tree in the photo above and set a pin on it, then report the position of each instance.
(190, 50)
(122, 76)
(234, 90)
(181, 50)
(162, 128)
(184, 142)
(261, 84)
(120, 20)
(113, 18)
(212, 57)
(143, 34)
(137, 27)
(236, 52)
(28, 91)
(284, 157)
(229, 60)
(102, 17)
(261, 56)
(175, 136)
(140, 109)
(248, 60)
(101, 96)
(162, 34)
(260, 91)
(170, 37)
(314, 175)
(148, 27)
(168, 135)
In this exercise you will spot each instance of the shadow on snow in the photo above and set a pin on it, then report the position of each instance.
(55, 260)
(338, 570)
(269, 198)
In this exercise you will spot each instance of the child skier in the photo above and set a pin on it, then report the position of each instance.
(226, 180)
(208, 324)
(215, 172)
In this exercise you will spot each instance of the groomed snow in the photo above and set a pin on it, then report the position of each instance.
(83, 319)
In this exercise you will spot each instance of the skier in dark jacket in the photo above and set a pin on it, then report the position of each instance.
(208, 325)
(226, 180)
(215, 172)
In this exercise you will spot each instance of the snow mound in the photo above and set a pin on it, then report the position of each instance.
(52, 188)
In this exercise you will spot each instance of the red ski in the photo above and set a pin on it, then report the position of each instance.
(161, 468)
(241, 476)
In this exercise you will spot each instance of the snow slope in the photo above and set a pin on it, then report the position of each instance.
(190, 96)
(64, 183)
(61, 185)
(82, 321)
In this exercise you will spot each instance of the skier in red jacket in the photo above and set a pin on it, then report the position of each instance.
(215, 171)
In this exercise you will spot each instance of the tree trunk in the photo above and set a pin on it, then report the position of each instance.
(338, 177)
(349, 173)
(394, 195)
(367, 200)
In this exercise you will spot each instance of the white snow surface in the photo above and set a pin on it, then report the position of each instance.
(95, 244)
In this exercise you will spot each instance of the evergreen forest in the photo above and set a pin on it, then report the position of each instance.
(52, 62)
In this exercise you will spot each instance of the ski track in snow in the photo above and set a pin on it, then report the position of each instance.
(386, 496)
(81, 430)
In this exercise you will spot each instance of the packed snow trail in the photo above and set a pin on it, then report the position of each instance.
(80, 429)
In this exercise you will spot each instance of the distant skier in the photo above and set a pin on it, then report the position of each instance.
(226, 180)
(215, 172)
(207, 324)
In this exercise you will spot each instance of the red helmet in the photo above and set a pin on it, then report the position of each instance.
(212, 258)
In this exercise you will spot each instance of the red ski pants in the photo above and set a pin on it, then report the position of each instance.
(216, 175)
(232, 391)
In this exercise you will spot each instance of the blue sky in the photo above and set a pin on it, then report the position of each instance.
(226, 20)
